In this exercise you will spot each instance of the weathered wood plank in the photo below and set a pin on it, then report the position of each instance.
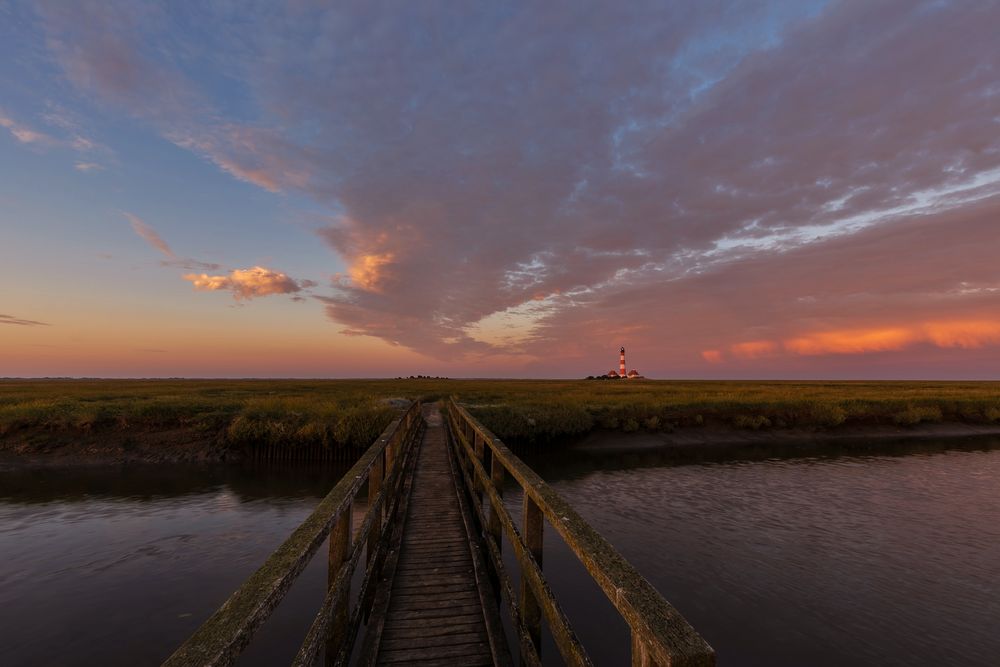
(418, 614)
(435, 641)
(435, 652)
(432, 628)
(435, 613)
(438, 579)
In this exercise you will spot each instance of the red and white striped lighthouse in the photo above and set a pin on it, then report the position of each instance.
(621, 364)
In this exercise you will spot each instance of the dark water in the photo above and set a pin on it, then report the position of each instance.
(858, 559)
(119, 566)
(863, 558)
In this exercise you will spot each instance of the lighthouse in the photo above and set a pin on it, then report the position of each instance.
(621, 364)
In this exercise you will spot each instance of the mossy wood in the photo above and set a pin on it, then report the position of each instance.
(221, 639)
(660, 635)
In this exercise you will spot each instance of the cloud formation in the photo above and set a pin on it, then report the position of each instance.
(249, 283)
(150, 236)
(709, 187)
(17, 321)
(25, 134)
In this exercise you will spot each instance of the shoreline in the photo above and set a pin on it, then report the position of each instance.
(47, 449)
(33, 448)
(723, 437)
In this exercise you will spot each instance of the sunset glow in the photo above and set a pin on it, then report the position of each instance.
(801, 189)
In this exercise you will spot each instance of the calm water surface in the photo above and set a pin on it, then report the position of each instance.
(860, 559)
(119, 566)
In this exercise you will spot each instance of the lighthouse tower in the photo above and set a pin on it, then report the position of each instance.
(621, 364)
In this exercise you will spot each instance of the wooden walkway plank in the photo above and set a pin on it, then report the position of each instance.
(435, 612)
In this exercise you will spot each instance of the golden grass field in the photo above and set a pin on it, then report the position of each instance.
(351, 413)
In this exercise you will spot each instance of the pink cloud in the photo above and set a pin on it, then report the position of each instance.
(775, 201)
(712, 356)
(25, 134)
(149, 235)
(753, 349)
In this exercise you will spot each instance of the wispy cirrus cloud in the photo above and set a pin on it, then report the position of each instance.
(17, 321)
(150, 236)
(25, 134)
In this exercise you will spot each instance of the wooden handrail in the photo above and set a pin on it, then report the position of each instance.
(660, 634)
(220, 639)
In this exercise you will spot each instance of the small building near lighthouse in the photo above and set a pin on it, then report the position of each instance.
(621, 373)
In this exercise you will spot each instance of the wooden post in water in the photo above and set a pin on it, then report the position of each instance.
(531, 613)
(340, 548)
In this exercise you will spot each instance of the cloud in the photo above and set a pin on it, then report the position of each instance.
(894, 337)
(689, 179)
(87, 167)
(249, 283)
(753, 349)
(25, 134)
(149, 235)
(17, 321)
(712, 356)
(31, 136)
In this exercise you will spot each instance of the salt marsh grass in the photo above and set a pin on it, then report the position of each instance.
(351, 413)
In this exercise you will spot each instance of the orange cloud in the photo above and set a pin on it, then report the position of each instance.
(712, 356)
(966, 334)
(249, 283)
(753, 349)
(856, 341)
(368, 271)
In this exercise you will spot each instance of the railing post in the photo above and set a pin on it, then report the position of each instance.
(640, 653)
(340, 547)
(497, 478)
(531, 613)
(374, 488)
(478, 448)
(394, 445)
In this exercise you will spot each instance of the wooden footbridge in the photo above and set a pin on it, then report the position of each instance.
(434, 589)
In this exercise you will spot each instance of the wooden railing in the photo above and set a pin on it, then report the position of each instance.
(660, 635)
(221, 639)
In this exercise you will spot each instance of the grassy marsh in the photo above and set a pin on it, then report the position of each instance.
(350, 413)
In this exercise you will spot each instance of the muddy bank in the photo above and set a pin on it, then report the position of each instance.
(46, 448)
(727, 438)
(38, 448)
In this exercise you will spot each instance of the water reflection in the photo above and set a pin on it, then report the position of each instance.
(794, 557)
(797, 555)
(118, 566)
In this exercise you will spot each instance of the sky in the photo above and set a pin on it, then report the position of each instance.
(728, 189)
